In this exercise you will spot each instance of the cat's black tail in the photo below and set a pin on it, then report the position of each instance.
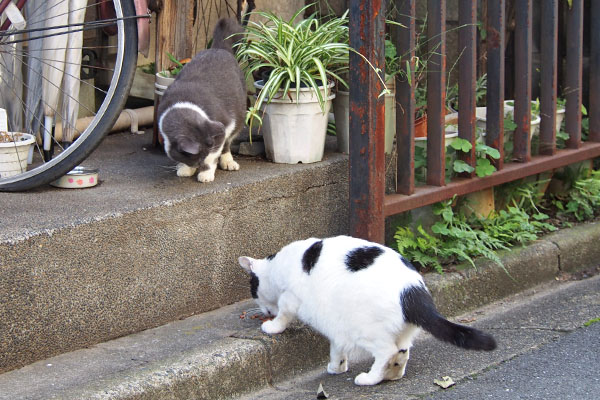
(226, 33)
(419, 309)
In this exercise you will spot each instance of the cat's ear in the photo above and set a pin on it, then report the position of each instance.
(187, 145)
(247, 263)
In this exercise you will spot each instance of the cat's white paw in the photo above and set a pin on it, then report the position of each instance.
(272, 327)
(227, 163)
(365, 379)
(184, 170)
(206, 176)
(338, 367)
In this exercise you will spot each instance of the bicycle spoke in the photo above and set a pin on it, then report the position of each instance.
(86, 27)
(83, 47)
(58, 87)
(24, 108)
(106, 92)
(39, 10)
(90, 66)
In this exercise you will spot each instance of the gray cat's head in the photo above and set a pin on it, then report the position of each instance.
(261, 288)
(188, 134)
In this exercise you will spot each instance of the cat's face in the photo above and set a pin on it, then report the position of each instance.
(261, 287)
(189, 137)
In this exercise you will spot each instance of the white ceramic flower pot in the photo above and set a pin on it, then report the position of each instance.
(450, 129)
(560, 113)
(161, 83)
(390, 118)
(341, 107)
(14, 155)
(481, 113)
(293, 131)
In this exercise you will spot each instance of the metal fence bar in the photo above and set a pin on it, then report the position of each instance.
(425, 195)
(367, 137)
(436, 91)
(408, 195)
(594, 69)
(549, 44)
(467, 70)
(574, 75)
(523, 62)
(405, 97)
(495, 74)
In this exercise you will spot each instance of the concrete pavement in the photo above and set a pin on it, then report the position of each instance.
(544, 352)
(164, 248)
(564, 369)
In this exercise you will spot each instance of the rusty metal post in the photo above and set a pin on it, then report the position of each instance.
(549, 42)
(367, 169)
(436, 92)
(495, 70)
(574, 78)
(523, 57)
(405, 97)
(594, 71)
(467, 70)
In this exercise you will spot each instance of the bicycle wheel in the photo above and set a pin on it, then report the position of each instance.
(64, 81)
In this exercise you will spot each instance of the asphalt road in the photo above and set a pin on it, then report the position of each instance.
(545, 351)
(565, 369)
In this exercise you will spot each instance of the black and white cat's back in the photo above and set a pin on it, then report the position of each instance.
(360, 295)
(203, 109)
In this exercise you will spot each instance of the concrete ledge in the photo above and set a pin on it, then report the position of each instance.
(216, 355)
(525, 267)
(85, 266)
(579, 246)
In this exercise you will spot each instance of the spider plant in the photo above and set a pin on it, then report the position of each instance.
(309, 53)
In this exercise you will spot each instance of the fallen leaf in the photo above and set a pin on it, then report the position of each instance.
(445, 382)
(321, 394)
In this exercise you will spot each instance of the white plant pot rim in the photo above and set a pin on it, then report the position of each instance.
(559, 109)
(163, 80)
(304, 92)
(449, 135)
(534, 121)
(30, 139)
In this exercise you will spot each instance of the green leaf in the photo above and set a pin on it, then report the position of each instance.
(461, 145)
(440, 228)
(484, 150)
(461, 166)
(484, 168)
(509, 124)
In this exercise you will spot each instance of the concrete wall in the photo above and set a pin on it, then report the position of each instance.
(97, 281)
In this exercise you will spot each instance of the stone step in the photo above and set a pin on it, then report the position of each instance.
(222, 353)
(145, 247)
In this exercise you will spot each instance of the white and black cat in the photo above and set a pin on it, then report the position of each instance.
(203, 109)
(361, 295)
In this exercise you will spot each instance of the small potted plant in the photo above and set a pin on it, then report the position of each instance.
(165, 77)
(14, 152)
(299, 63)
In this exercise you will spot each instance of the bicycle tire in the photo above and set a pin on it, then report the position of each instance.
(104, 117)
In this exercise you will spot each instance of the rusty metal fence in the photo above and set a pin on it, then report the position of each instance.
(369, 205)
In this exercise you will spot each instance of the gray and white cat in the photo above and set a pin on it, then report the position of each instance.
(203, 109)
(361, 295)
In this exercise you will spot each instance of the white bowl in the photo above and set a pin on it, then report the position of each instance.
(77, 178)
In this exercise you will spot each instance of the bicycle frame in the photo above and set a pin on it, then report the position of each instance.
(141, 11)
